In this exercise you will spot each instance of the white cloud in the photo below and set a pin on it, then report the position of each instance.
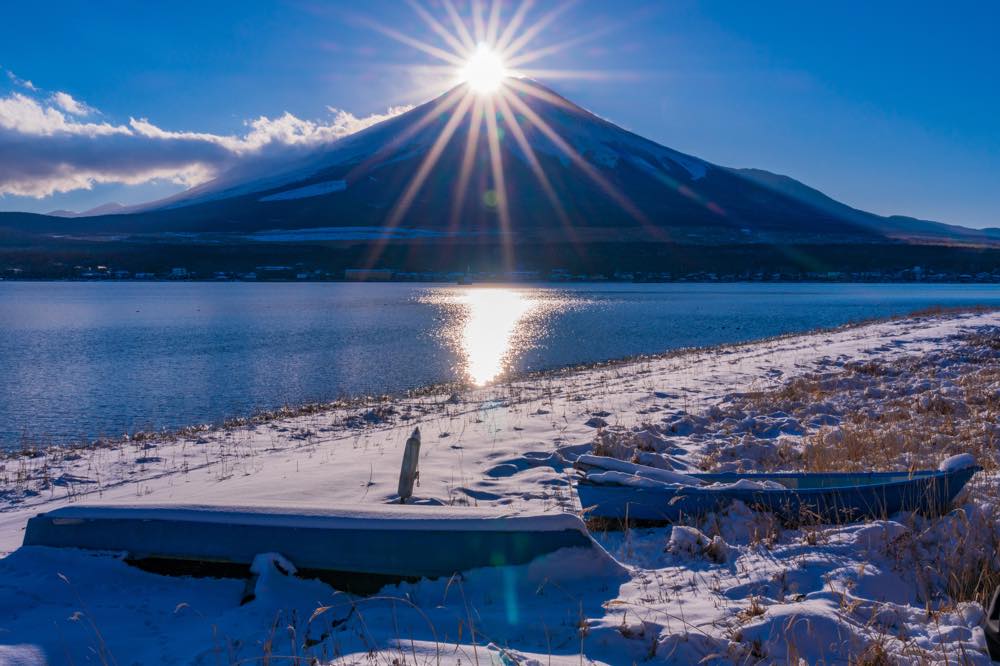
(347, 123)
(67, 103)
(45, 147)
(18, 81)
(26, 115)
(69, 178)
(285, 130)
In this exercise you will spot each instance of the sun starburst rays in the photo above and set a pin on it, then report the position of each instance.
(503, 42)
(451, 39)
(480, 52)
(499, 192)
(461, 29)
(535, 165)
(429, 49)
(574, 156)
(478, 26)
(462, 185)
(429, 161)
(442, 106)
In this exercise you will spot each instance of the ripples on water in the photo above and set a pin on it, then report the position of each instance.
(81, 360)
(489, 328)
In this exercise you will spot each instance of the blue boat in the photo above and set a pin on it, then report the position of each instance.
(358, 549)
(794, 497)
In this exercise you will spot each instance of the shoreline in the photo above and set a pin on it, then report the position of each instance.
(324, 424)
(895, 393)
(493, 283)
(264, 416)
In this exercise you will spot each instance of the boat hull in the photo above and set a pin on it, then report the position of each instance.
(400, 545)
(824, 498)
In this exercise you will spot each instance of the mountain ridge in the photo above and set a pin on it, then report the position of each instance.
(611, 184)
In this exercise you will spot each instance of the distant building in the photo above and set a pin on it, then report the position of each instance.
(275, 272)
(368, 274)
(178, 272)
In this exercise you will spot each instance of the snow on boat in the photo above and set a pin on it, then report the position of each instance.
(375, 545)
(611, 488)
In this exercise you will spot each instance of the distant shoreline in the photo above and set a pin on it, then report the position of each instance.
(494, 283)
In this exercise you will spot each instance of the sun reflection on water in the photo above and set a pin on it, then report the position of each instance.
(491, 324)
(489, 327)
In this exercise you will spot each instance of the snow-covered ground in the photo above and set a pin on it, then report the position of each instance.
(736, 588)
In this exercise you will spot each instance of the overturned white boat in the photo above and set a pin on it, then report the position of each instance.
(353, 548)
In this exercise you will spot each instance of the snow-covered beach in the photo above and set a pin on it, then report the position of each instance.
(900, 394)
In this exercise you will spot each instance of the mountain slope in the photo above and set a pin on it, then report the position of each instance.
(895, 226)
(619, 185)
(110, 208)
(568, 176)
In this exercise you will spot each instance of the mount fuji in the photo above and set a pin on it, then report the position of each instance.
(570, 177)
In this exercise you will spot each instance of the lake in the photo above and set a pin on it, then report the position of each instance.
(84, 359)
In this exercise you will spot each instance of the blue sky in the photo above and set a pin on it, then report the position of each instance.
(888, 106)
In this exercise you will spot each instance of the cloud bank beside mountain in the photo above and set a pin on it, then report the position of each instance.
(54, 143)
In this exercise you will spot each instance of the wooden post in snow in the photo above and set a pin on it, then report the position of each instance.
(408, 473)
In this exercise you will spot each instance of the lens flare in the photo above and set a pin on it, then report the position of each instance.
(484, 71)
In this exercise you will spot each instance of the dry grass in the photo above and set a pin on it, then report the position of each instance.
(754, 610)
(888, 426)
(882, 431)
(875, 654)
(912, 436)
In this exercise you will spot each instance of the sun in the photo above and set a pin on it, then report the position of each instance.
(484, 71)
(487, 66)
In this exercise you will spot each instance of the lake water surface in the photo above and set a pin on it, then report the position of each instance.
(82, 360)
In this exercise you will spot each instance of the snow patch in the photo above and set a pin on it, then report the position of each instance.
(627, 468)
(632, 480)
(957, 462)
(314, 190)
(359, 233)
(691, 542)
(396, 517)
(747, 484)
